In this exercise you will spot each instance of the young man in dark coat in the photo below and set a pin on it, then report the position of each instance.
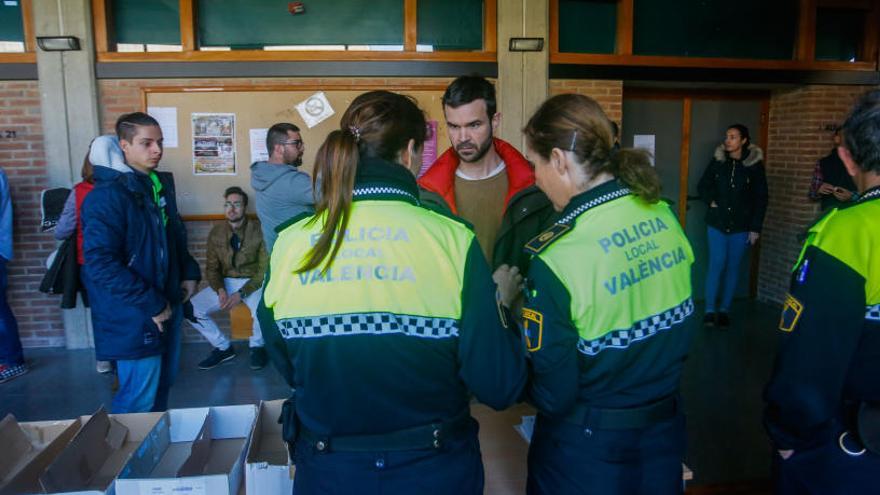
(138, 271)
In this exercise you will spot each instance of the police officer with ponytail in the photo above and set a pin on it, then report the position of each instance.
(823, 400)
(607, 314)
(384, 316)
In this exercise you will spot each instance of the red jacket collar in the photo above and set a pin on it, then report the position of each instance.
(440, 177)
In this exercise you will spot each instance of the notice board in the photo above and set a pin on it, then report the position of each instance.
(199, 197)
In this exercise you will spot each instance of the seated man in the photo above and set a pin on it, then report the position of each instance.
(236, 264)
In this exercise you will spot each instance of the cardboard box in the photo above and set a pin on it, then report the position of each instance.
(199, 451)
(98, 452)
(268, 468)
(28, 448)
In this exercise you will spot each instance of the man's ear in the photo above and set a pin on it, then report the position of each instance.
(852, 168)
(496, 121)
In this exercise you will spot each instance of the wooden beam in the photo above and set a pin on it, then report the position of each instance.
(805, 43)
(27, 19)
(18, 58)
(410, 25)
(554, 27)
(188, 25)
(870, 48)
(490, 26)
(99, 26)
(684, 160)
(293, 56)
(705, 62)
(624, 39)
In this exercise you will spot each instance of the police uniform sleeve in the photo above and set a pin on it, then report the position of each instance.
(820, 329)
(276, 347)
(551, 340)
(492, 360)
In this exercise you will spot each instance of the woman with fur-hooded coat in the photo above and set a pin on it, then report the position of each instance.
(734, 186)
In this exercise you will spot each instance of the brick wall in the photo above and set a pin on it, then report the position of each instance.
(22, 158)
(797, 139)
(609, 94)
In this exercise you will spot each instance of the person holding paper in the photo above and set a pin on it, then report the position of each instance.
(608, 313)
(384, 315)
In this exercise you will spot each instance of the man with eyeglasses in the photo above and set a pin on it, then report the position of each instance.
(282, 190)
(236, 261)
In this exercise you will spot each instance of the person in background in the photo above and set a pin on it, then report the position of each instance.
(734, 186)
(823, 399)
(235, 267)
(102, 149)
(384, 313)
(138, 271)
(12, 363)
(485, 180)
(606, 347)
(832, 186)
(282, 191)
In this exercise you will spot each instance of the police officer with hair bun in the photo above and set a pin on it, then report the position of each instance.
(382, 315)
(607, 314)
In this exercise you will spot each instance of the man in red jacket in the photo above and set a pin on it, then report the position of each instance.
(483, 179)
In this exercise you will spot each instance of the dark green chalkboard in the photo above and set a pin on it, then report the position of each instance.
(146, 22)
(11, 26)
(253, 24)
(450, 24)
(838, 33)
(762, 29)
(587, 26)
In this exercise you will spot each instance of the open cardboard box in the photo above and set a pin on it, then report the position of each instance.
(268, 468)
(28, 448)
(199, 451)
(98, 452)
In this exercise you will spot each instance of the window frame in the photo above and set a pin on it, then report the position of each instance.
(802, 59)
(29, 55)
(105, 52)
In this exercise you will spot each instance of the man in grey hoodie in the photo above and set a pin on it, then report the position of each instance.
(282, 191)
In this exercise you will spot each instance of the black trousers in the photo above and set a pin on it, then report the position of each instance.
(828, 470)
(568, 459)
(455, 468)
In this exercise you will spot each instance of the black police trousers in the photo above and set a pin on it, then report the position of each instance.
(568, 459)
(828, 470)
(454, 468)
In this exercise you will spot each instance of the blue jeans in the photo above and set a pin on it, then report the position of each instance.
(170, 360)
(10, 344)
(138, 382)
(725, 254)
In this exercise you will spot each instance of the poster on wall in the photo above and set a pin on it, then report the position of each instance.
(213, 143)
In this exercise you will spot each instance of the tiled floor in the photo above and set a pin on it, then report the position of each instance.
(722, 386)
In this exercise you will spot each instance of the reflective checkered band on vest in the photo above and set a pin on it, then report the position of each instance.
(368, 323)
(374, 191)
(594, 203)
(621, 339)
(873, 313)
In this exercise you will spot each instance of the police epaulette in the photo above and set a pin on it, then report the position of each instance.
(544, 239)
(287, 223)
(434, 208)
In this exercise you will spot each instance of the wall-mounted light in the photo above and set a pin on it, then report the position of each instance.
(526, 44)
(58, 43)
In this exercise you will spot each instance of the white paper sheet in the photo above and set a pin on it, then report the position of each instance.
(259, 153)
(645, 142)
(167, 117)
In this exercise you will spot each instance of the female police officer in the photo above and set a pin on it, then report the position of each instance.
(605, 321)
(388, 320)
